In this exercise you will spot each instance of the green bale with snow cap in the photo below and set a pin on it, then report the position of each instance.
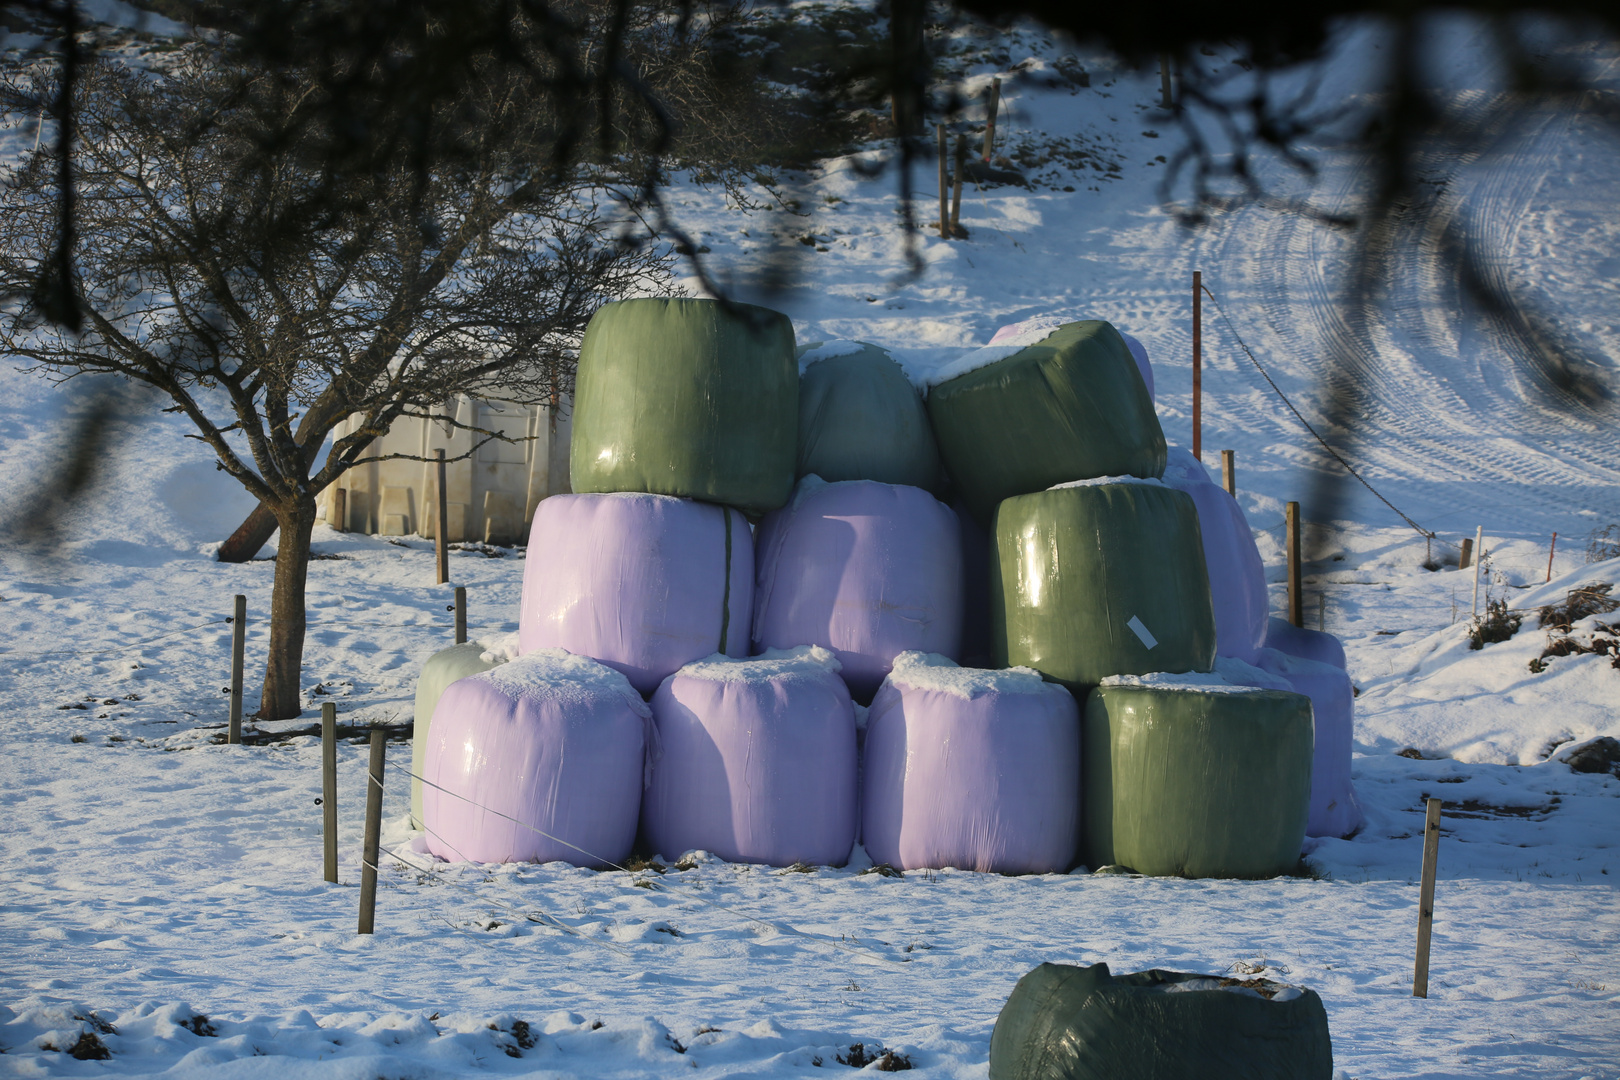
(1071, 406)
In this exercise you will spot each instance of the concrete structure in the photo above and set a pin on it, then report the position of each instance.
(491, 495)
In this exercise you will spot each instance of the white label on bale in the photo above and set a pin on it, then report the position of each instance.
(1141, 631)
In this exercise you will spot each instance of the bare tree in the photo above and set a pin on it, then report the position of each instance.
(271, 296)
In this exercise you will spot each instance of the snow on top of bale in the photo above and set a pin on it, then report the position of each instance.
(795, 663)
(1182, 469)
(499, 648)
(1191, 681)
(1099, 481)
(1240, 673)
(557, 673)
(931, 671)
(827, 350)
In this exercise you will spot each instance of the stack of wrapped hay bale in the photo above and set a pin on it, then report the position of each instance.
(733, 498)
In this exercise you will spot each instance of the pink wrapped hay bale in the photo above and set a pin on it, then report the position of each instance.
(971, 768)
(867, 570)
(642, 583)
(1335, 811)
(1237, 577)
(1284, 636)
(754, 760)
(555, 741)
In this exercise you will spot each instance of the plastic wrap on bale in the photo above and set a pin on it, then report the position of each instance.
(1097, 579)
(539, 759)
(442, 668)
(1070, 407)
(1038, 326)
(642, 583)
(970, 768)
(688, 398)
(861, 419)
(1284, 636)
(1237, 576)
(1063, 1022)
(1335, 810)
(1190, 776)
(867, 570)
(754, 760)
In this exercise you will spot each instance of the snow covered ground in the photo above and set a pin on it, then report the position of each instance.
(164, 892)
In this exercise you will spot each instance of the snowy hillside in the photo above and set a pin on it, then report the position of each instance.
(155, 876)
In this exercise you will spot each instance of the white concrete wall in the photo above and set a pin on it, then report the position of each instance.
(491, 496)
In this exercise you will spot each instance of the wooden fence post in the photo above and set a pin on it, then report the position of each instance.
(1198, 365)
(990, 120)
(329, 788)
(1431, 854)
(233, 734)
(441, 531)
(461, 614)
(1296, 613)
(1167, 97)
(1229, 472)
(340, 510)
(368, 856)
(960, 165)
(1479, 556)
(1550, 552)
(944, 185)
(1467, 555)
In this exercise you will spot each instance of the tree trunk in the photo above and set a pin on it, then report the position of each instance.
(249, 536)
(283, 676)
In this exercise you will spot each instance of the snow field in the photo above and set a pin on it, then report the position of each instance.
(153, 874)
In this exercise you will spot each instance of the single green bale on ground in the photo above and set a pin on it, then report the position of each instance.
(1063, 1022)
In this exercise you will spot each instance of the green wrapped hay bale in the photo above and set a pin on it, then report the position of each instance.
(679, 397)
(1070, 407)
(1063, 1022)
(1089, 580)
(1191, 777)
(861, 419)
(442, 668)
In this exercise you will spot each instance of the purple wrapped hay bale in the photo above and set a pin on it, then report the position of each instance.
(1284, 636)
(1335, 810)
(867, 570)
(642, 583)
(553, 740)
(754, 760)
(1237, 577)
(971, 768)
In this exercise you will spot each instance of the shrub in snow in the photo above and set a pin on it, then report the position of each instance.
(867, 570)
(683, 397)
(1190, 776)
(1070, 406)
(754, 760)
(443, 668)
(1335, 811)
(971, 768)
(861, 419)
(538, 759)
(1237, 576)
(1099, 579)
(643, 583)
(1084, 1023)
